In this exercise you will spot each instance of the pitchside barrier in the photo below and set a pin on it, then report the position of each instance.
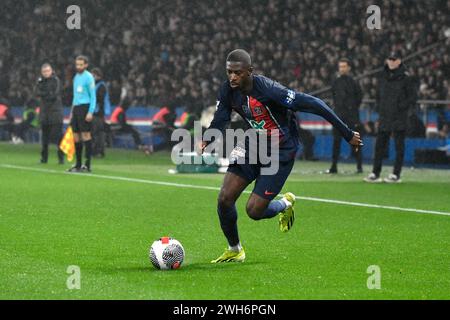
(140, 118)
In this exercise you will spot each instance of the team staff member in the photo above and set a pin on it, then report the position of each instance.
(347, 97)
(48, 91)
(396, 96)
(103, 109)
(83, 106)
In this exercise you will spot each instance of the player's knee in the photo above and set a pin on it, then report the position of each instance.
(224, 201)
(254, 212)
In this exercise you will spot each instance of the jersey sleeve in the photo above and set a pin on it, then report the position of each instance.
(302, 102)
(222, 115)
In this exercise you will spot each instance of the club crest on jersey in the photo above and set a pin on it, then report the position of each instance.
(258, 111)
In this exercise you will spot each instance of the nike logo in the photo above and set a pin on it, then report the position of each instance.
(267, 193)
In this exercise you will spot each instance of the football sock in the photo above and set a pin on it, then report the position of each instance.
(275, 207)
(236, 248)
(228, 223)
(78, 153)
(88, 145)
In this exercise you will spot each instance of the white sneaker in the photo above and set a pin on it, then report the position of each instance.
(392, 178)
(373, 178)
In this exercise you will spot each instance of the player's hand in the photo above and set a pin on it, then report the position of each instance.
(201, 147)
(356, 141)
(89, 117)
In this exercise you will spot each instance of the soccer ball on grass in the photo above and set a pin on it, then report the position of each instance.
(166, 253)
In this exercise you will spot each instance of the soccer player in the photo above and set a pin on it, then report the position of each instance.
(81, 115)
(263, 104)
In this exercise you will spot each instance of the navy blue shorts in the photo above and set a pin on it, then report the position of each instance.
(266, 186)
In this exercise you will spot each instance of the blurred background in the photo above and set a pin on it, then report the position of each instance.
(172, 53)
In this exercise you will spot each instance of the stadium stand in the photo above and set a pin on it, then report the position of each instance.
(177, 48)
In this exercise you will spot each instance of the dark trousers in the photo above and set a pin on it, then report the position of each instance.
(8, 126)
(51, 133)
(381, 146)
(98, 136)
(126, 128)
(307, 139)
(337, 138)
(21, 129)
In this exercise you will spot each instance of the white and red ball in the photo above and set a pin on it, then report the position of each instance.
(166, 253)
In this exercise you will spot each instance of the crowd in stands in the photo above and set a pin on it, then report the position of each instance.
(161, 52)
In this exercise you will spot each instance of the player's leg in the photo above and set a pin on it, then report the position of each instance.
(233, 185)
(261, 204)
(259, 208)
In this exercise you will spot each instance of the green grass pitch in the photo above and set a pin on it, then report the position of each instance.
(51, 220)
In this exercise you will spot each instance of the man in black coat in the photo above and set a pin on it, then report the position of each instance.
(48, 91)
(347, 97)
(396, 95)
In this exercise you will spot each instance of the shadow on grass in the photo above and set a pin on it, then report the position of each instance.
(189, 267)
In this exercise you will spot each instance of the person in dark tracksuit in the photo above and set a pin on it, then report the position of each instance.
(396, 95)
(102, 109)
(48, 91)
(347, 97)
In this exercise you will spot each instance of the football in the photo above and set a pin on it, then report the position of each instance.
(166, 253)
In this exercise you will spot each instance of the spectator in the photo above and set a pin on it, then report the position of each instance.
(184, 42)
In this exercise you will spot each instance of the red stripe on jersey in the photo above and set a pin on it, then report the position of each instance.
(259, 113)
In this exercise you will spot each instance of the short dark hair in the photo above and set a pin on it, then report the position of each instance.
(98, 72)
(346, 60)
(82, 57)
(240, 55)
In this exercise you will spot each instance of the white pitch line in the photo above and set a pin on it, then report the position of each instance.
(192, 186)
